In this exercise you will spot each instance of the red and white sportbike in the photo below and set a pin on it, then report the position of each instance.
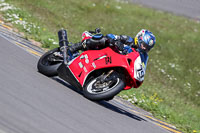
(100, 74)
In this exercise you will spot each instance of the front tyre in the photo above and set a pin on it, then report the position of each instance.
(49, 62)
(97, 90)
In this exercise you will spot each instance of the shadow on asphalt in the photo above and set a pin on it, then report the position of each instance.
(67, 85)
(105, 104)
(119, 110)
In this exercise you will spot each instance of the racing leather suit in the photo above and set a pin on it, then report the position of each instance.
(99, 41)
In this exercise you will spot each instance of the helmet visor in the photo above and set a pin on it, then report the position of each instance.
(144, 47)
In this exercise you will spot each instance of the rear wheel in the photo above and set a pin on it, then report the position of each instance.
(96, 89)
(49, 62)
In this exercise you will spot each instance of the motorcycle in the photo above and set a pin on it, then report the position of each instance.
(100, 74)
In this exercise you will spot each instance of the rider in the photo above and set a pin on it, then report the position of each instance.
(143, 42)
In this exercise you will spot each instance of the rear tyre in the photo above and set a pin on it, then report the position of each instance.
(49, 63)
(96, 91)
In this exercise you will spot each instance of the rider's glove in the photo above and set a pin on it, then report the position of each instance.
(119, 45)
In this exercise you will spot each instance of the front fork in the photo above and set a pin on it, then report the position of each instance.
(104, 77)
(63, 42)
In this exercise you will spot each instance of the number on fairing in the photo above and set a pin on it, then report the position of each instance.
(140, 73)
(139, 70)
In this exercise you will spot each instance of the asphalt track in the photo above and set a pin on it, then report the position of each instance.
(188, 8)
(33, 103)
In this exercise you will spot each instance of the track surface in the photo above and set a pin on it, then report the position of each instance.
(188, 8)
(33, 103)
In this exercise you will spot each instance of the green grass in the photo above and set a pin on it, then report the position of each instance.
(171, 90)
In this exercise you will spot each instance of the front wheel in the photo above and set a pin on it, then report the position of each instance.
(97, 90)
(49, 62)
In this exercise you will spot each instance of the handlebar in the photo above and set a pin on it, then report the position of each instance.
(97, 30)
(92, 32)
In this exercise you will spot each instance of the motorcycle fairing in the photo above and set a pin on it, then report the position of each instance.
(65, 73)
(92, 60)
(86, 35)
(140, 65)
